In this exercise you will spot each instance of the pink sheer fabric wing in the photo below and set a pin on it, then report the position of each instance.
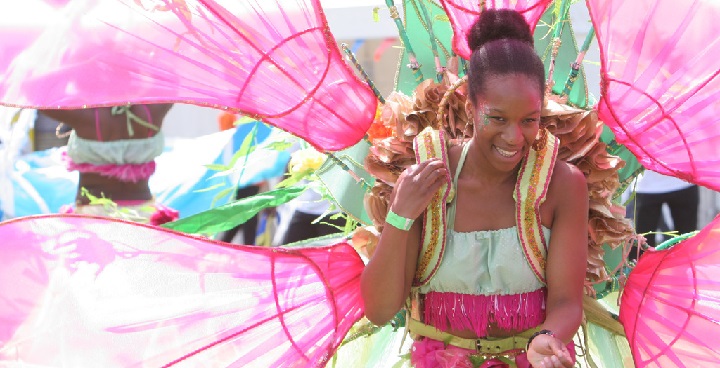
(274, 60)
(670, 306)
(95, 292)
(463, 13)
(660, 86)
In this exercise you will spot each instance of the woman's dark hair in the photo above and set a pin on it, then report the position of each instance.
(502, 44)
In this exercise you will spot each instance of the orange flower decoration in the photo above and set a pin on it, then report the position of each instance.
(378, 131)
(226, 120)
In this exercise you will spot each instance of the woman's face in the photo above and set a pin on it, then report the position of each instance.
(507, 119)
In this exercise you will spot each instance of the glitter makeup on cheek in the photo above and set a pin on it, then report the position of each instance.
(485, 119)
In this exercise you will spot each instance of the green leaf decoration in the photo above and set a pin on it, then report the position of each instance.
(248, 146)
(294, 178)
(279, 146)
(245, 120)
(210, 188)
(230, 215)
(217, 167)
(227, 192)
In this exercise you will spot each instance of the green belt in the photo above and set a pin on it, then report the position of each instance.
(487, 346)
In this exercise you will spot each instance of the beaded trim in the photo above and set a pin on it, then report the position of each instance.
(530, 191)
(428, 144)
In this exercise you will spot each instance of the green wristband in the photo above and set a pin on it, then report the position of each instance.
(402, 223)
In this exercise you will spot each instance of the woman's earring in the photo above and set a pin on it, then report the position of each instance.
(540, 139)
(468, 130)
(470, 124)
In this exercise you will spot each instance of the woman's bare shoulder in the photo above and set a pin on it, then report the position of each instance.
(568, 183)
(567, 175)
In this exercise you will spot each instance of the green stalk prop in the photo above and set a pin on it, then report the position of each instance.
(414, 65)
(359, 67)
(578, 62)
(433, 42)
(671, 242)
(556, 42)
(366, 187)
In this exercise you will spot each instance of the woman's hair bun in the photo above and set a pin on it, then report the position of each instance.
(498, 24)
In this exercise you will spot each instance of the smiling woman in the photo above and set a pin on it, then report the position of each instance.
(509, 111)
(510, 273)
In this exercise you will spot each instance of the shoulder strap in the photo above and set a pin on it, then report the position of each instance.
(429, 144)
(530, 191)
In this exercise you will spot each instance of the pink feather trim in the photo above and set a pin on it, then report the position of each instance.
(513, 312)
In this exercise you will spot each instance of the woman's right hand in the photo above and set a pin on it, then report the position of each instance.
(547, 351)
(416, 187)
(386, 280)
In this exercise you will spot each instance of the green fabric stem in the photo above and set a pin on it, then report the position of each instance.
(588, 39)
(228, 216)
(671, 242)
(566, 57)
(417, 29)
(558, 27)
(576, 65)
(364, 74)
(403, 36)
(433, 39)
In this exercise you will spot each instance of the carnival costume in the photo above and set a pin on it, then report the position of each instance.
(126, 160)
(163, 299)
(501, 287)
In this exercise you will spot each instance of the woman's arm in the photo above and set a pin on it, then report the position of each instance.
(565, 268)
(386, 281)
(567, 255)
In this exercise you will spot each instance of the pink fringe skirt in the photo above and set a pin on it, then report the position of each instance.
(512, 312)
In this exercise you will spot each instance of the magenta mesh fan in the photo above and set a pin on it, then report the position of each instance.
(98, 292)
(670, 304)
(274, 60)
(660, 85)
(463, 13)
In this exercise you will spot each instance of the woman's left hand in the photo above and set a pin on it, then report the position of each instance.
(547, 351)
